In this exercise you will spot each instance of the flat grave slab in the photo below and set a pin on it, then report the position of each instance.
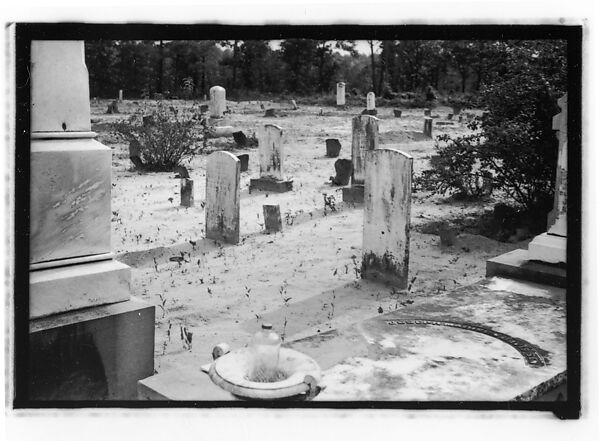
(496, 340)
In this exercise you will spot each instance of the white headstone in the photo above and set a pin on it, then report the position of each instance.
(370, 101)
(387, 216)
(551, 247)
(341, 94)
(365, 136)
(223, 197)
(217, 101)
(120, 94)
(270, 152)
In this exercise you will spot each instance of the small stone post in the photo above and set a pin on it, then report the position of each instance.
(428, 127)
(341, 94)
(223, 197)
(186, 191)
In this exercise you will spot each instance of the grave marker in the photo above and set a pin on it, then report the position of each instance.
(186, 191)
(332, 147)
(371, 110)
(428, 127)
(365, 136)
(343, 171)
(270, 156)
(217, 102)
(244, 159)
(386, 230)
(341, 94)
(272, 216)
(223, 197)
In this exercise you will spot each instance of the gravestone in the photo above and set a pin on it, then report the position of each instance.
(365, 136)
(113, 108)
(427, 112)
(120, 94)
(371, 110)
(551, 247)
(244, 159)
(387, 216)
(270, 156)
(428, 127)
(294, 105)
(272, 216)
(341, 94)
(217, 102)
(186, 190)
(343, 171)
(332, 147)
(73, 278)
(134, 154)
(397, 113)
(270, 113)
(240, 139)
(223, 197)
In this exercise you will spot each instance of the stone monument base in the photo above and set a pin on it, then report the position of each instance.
(516, 264)
(548, 248)
(95, 353)
(273, 185)
(354, 194)
(372, 112)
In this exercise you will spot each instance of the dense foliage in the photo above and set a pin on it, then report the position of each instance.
(513, 145)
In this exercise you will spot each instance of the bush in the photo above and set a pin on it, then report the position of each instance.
(166, 136)
(513, 144)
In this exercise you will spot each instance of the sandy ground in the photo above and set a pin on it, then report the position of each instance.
(303, 280)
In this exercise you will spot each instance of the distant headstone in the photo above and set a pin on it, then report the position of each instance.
(341, 94)
(272, 217)
(343, 171)
(120, 94)
(370, 101)
(113, 108)
(427, 112)
(240, 139)
(294, 105)
(186, 190)
(270, 156)
(223, 197)
(135, 151)
(387, 216)
(270, 113)
(365, 136)
(332, 147)
(217, 102)
(428, 127)
(398, 113)
(244, 159)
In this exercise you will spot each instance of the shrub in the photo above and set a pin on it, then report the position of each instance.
(166, 136)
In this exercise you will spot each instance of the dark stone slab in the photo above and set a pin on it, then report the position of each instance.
(97, 353)
(272, 217)
(243, 161)
(343, 171)
(270, 185)
(187, 192)
(354, 194)
(398, 113)
(516, 265)
(332, 147)
(240, 139)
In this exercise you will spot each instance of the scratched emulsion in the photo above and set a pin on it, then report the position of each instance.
(387, 216)
(70, 199)
(223, 197)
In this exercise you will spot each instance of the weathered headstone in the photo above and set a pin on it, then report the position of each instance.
(343, 171)
(365, 136)
(120, 94)
(427, 112)
(217, 102)
(386, 227)
(341, 94)
(113, 108)
(223, 197)
(240, 139)
(398, 113)
(270, 113)
(551, 247)
(272, 216)
(244, 159)
(186, 190)
(371, 110)
(270, 156)
(428, 127)
(332, 147)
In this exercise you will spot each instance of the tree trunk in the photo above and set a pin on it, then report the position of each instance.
(372, 64)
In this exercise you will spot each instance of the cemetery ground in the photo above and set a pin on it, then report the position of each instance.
(305, 280)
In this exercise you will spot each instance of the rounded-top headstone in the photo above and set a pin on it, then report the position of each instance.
(59, 102)
(217, 101)
(370, 101)
(341, 94)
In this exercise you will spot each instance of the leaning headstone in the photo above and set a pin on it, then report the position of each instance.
(186, 191)
(428, 127)
(272, 216)
(217, 102)
(365, 136)
(343, 171)
(244, 161)
(341, 94)
(447, 235)
(371, 110)
(223, 197)
(332, 147)
(203, 108)
(294, 105)
(270, 155)
(387, 216)
(398, 113)
(551, 247)
(240, 139)
(182, 172)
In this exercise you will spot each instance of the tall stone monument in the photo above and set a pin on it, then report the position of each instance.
(341, 94)
(386, 229)
(270, 156)
(551, 247)
(218, 105)
(100, 351)
(365, 136)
